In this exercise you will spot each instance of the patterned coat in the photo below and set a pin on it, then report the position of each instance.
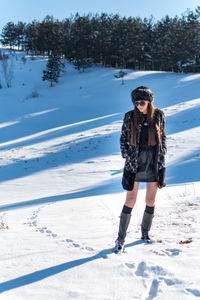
(130, 152)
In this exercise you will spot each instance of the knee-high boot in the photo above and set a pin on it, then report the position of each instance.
(147, 222)
(123, 226)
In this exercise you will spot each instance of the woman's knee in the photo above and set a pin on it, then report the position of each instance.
(150, 202)
(150, 199)
(130, 198)
(130, 202)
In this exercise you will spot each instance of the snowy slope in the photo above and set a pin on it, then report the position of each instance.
(61, 194)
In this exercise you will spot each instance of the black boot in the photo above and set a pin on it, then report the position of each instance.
(146, 222)
(123, 226)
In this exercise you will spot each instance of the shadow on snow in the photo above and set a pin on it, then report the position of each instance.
(45, 273)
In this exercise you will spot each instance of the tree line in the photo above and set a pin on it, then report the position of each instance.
(169, 44)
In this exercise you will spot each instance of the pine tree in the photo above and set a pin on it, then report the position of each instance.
(54, 67)
(192, 41)
(20, 34)
(32, 42)
(171, 44)
(9, 35)
(121, 75)
(82, 63)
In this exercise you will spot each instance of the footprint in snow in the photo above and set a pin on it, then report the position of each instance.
(160, 275)
(158, 270)
(141, 270)
(172, 252)
(76, 245)
(194, 292)
(130, 265)
(44, 229)
(167, 252)
(69, 241)
(153, 289)
(89, 248)
(170, 282)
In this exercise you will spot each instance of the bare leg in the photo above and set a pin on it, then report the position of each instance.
(131, 196)
(151, 190)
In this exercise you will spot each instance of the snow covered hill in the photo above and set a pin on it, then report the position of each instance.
(61, 194)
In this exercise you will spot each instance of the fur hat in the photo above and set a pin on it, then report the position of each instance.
(142, 93)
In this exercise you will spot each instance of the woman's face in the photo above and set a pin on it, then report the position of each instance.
(142, 105)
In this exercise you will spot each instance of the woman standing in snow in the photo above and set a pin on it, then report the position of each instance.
(143, 145)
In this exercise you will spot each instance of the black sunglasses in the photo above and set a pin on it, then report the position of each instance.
(141, 103)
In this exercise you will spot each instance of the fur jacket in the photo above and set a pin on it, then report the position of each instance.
(130, 152)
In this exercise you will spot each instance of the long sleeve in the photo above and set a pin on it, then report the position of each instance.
(124, 146)
(164, 145)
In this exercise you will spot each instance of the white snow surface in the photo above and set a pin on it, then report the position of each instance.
(61, 193)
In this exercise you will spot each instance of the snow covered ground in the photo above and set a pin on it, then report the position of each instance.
(61, 193)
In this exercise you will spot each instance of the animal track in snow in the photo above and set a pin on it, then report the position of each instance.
(71, 243)
(194, 292)
(32, 222)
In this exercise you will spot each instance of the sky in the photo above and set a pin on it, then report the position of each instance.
(28, 10)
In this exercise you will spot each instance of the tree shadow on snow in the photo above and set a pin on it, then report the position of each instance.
(42, 274)
(109, 187)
